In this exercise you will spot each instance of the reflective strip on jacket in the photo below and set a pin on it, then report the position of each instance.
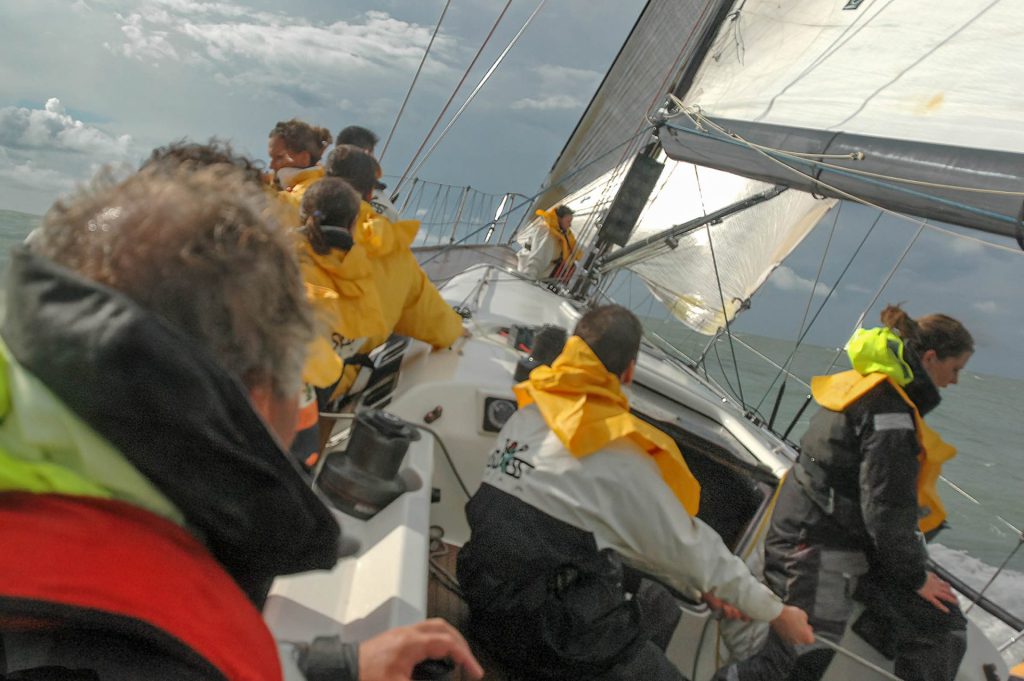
(839, 391)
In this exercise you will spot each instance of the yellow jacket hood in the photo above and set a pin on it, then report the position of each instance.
(583, 404)
(381, 237)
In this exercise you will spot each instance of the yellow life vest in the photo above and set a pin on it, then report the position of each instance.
(566, 240)
(1017, 671)
(583, 404)
(839, 391)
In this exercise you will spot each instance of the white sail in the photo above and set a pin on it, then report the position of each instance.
(747, 246)
(913, 106)
(942, 71)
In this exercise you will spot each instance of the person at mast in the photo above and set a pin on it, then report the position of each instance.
(295, 149)
(410, 303)
(580, 503)
(852, 515)
(366, 140)
(549, 250)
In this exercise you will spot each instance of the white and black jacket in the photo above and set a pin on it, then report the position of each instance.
(555, 541)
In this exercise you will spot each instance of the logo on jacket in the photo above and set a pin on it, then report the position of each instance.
(505, 460)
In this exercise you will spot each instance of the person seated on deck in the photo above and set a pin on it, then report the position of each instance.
(410, 303)
(150, 359)
(295, 149)
(582, 506)
(548, 246)
(852, 515)
(341, 286)
(365, 139)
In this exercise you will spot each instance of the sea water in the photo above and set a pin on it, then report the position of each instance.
(980, 416)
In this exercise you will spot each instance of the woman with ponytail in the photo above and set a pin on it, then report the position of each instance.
(340, 284)
(852, 513)
(410, 303)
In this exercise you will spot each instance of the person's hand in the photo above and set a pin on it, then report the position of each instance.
(392, 655)
(936, 590)
(729, 612)
(792, 627)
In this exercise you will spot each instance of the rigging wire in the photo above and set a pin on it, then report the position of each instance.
(530, 199)
(807, 309)
(462, 80)
(408, 93)
(999, 570)
(828, 296)
(476, 90)
(725, 315)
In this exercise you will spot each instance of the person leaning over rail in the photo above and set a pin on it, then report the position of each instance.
(852, 515)
(411, 304)
(578, 500)
(150, 360)
(549, 247)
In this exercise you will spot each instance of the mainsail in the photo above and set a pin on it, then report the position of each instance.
(865, 99)
(913, 106)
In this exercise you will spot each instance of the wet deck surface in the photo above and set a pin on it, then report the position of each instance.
(443, 602)
(441, 263)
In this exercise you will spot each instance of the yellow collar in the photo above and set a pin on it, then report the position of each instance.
(583, 404)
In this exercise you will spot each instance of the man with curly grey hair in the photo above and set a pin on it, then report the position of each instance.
(149, 368)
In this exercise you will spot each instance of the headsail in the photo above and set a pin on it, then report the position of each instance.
(929, 95)
(661, 53)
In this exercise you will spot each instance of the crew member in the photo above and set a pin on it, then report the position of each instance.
(851, 516)
(150, 359)
(295, 149)
(410, 303)
(549, 250)
(578, 500)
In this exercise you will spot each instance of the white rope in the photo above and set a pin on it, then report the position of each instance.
(857, 658)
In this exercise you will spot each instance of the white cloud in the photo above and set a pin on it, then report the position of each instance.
(26, 174)
(986, 306)
(277, 53)
(788, 280)
(142, 44)
(52, 129)
(47, 152)
(559, 87)
(548, 103)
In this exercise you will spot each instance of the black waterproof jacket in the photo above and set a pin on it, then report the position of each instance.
(854, 485)
(180, 419)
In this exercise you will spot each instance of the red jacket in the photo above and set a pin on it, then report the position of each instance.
(76, 561)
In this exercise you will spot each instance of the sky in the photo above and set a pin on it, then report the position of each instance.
(85, 83)
(94, 82)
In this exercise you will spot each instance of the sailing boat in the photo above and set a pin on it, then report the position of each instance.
(776, 111)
